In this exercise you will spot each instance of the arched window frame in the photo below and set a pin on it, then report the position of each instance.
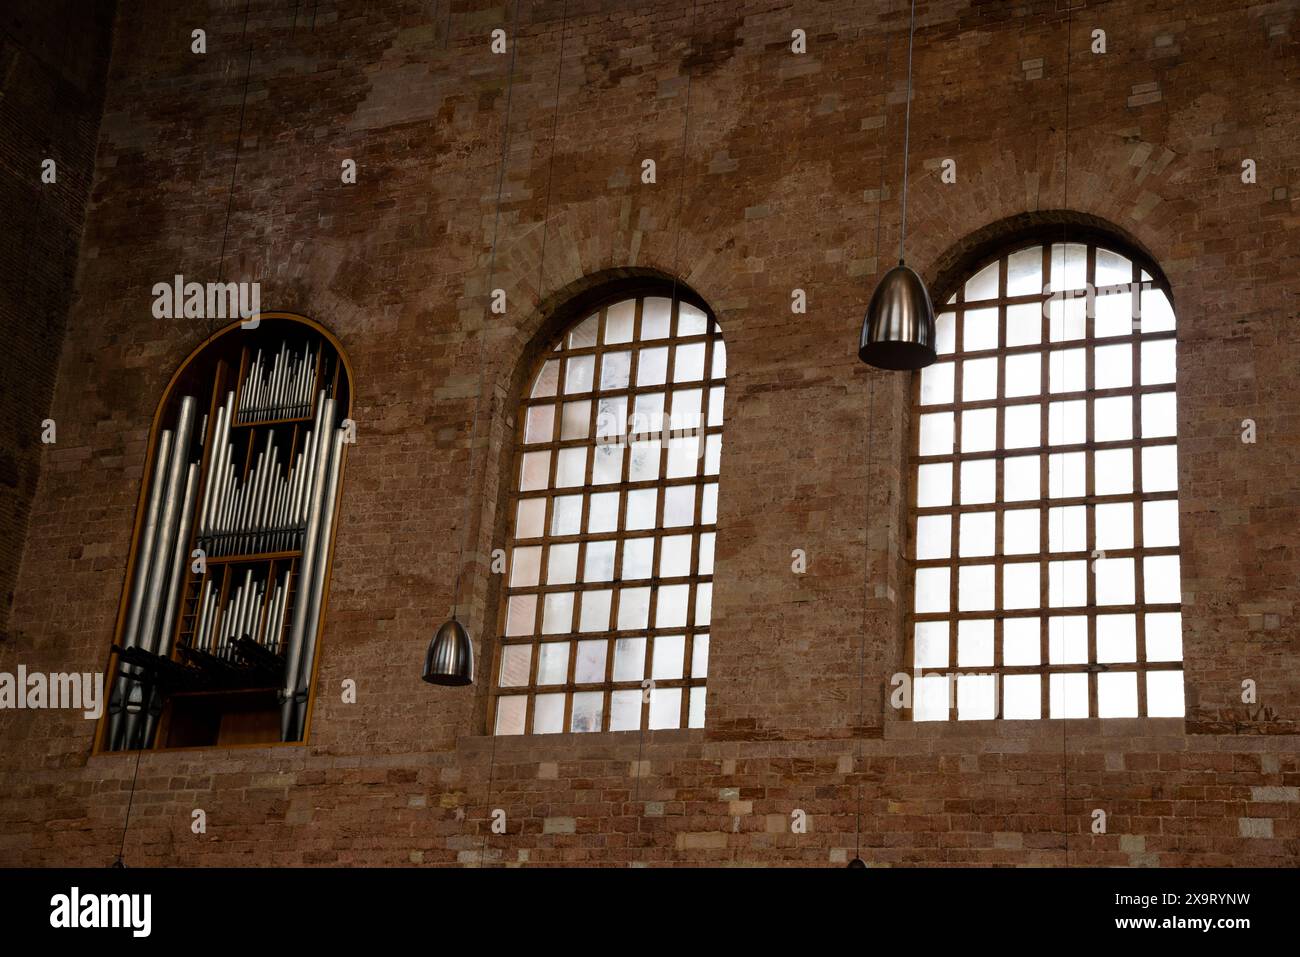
(656, 684)
(935, 651)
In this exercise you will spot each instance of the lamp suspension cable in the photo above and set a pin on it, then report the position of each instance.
(907, 134)
(1065, 205)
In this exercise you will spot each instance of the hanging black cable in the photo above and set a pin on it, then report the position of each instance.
(1065, 205)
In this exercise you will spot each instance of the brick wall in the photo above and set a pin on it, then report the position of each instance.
(780, 188)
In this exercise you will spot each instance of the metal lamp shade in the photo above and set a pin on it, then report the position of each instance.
(898, 331)
(450, 659)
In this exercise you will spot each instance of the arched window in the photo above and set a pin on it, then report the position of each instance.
(1045, 508)
(217, 631)
(613, 520)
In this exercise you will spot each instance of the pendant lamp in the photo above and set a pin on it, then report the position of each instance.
(898, 331)
(450, 658)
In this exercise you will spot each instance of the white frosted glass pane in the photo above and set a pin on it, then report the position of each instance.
(530, 519)
(1024, 375)
(1116, 638)
(931, 590)
(675, 556)
(629, 660)
(1117, 694)
(1020, 531)
(521, 615)
(656, 314)
(979, 379)
(719, 370)
(1067, 640)
(1067, 584)
(1160, 469)
(1069, 265)
(525, 566)
(588, 711)
(666, 708)
(625, 711)
(716, 405)
(979, 329)
(1157, 315)
(1066, 474)
(647, 460)
(1067, 317)
(937, 384)
(976, 534)
(934, 485)
(1164, 694)
(945, 333)
(930, 701)
(1068, 695)
(696, 706)
(1114, 525)
(975, 643)
(589, 667)
(984, 284)
(670, 652)
(641, 504)
(571, 468)
(686, 409)
(670, 609)
(548, 714)
(557, 613)
(1067, 422)
(703, 605)
(608, 466)
(547, 380)
(1161, 582)
(1159, 523)
(511, 711)
(553, 663)
(978, 481)
(562, 564)
(683, 457)
(1021, 641)
(1159, 415)
(679, 505)
(688, 362)
(579, 372)
(1114, 581)
(1020, 478)
(706, 553)
(515, 662)
(976, 697)
(1164, 636)
(1020, 585)
(975, 588)
(648, 415)
(930, 646)
(1025, 324)
(1113, 366)
(633, 608)
(615, 370)
(1114, 314)
(690, 320)
(535, 471)
(1022, 697)
(540, 424)
(936, 433)
(700, 656)
(652, 366)
(1112, 268)
(595, 610)
(1112, 472)
(602, 516)
(712, 454)
(598, 565)
(979, 430)
(1025, 272)
(566, 515)
(1112, 419)
(709, 504)
(618, 322)
(1159, 362)
(1022, 426)
(1067, 370)
(1067, 529)
(583, 335)
(933, 536)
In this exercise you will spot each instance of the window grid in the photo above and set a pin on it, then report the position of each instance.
(639, 441)
(1052, 352)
